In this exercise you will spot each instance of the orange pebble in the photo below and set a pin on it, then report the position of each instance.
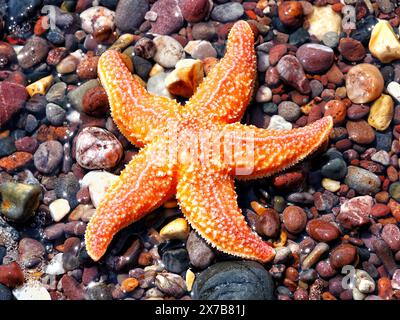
(129, 284)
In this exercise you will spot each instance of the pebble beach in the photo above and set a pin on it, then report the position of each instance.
(333, 219)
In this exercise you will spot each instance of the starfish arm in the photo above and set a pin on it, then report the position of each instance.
(258, 153)
(208, 201)
(139, 115)
(225, 93)
(143, 186)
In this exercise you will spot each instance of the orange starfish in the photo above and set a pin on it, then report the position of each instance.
(195, 152)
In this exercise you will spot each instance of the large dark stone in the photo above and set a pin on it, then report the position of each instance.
(234, 280)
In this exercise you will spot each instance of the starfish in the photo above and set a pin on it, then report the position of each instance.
(195, 151)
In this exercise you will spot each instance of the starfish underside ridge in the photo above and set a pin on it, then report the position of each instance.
(195, 152)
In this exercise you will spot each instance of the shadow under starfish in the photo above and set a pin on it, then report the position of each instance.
(195, 151)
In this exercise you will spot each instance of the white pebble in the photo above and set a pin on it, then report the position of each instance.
(59, 209)
(364, 282)
(394, 90)
(31, 291)
(264, 94)
(98, 182)
(279, 123)
(55, 267)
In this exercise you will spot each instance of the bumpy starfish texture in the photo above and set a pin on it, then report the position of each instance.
(195, 151)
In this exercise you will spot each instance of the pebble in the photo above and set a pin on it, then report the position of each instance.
(194, 10)
(264, 94)
(184, 80)
(176, 229)
(364, 83)
(48, 156)
(362, 181)
(34, 52)
(87, 67)
(384, 44)
(314, 256)
(99, 292)
(315, 58)
(200, 253)
(330, 39)
(129, 14)
(96, 19)
(98, 183)
(323, 20)
(279, 123)
(268, 223)
(355, 212)
(351, 49)
(55, 114)
(12, 97)
(291, 71)
(95, 102)
(167, 17)
(157, 86)
(97, 148)
(11, 275)
(381, 157)
(244, 280)
(72, 289)
(31, 291)
(56, 93)
(176, 260)
(360, 132)
(19, 201)
(393, 89)
(381, 112)
(59, 209)
(289, 110)
(171, 284)
(385, 254)
(55, 266)
(396, 280)
(169, 51)
(331, 185)
(394, 191)
(321, 230)
(342, 255)
(291, 13)
(76, 96)
(363, 282)
(31, 252)
(335, 169)
(7, 146)
(227, 12)
(294, 219)
(391, 235)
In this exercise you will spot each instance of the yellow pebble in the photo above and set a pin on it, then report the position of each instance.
(384, 44)
(176, 229)
(258, 208)
(190, 277)
(40, 86)
(123, 42)
(381, 112)
(156, 70)
(330, 185)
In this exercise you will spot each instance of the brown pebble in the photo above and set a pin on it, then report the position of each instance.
(344, 254)
(351, 49)
(291, 13)
(294, 219)
(321, 230)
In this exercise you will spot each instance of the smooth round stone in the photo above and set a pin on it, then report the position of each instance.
(291, 13)
(234, 280)
(364, 83)
(129, 14)
(264, 94)
(335, 169)
(315, 58)
(19, 201)
(322, 20)
(169, 51)
(34, 52)
(362, 181)
(75, 96)
(342, 255)
(48, 156)
(55, 114)
(97, 18)
(194, 10)
(59, 209)
(289, 110)
(227, 12)
(97, 148)
(321, 230)
(294, 219)
(66, 187)
(11, 275)
(268, 223)
(168, 15)
(95, 101)
(394, 191)
(200, 253)
(279, 123)
(7, 146)
(336, 109)
(360, 132)
(291, 71)
(351, 49)
(56, 93)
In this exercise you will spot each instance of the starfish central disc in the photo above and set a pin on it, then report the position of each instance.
(195, 151)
